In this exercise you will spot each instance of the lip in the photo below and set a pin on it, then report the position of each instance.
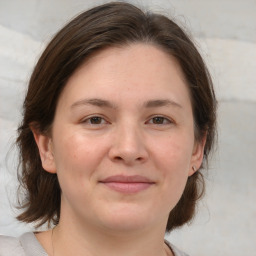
(127, 184)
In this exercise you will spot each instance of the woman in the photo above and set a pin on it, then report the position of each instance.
(118, 119)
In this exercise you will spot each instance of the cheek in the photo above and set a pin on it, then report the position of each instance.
(78, 149)
(173, 155)
(173, 161)
(78, 158)
(75, 165)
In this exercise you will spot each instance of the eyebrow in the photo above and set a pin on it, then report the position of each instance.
(94, 102)
(106, 104)
(161, 103)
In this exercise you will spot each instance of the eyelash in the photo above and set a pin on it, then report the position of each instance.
(89, 119)
(165, 121)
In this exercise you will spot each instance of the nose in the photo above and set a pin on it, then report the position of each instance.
(128, 146)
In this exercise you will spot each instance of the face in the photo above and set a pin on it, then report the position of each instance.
(122, 141)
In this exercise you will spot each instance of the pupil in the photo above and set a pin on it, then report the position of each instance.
(158, 120)
(96, 120)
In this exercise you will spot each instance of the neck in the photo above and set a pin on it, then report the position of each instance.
(87, 240)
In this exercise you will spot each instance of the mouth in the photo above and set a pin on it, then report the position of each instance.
(127, 184)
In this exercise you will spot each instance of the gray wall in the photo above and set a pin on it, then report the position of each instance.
(225, 32)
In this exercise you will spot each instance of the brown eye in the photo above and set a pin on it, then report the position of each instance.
(159, 120)
(95, 120)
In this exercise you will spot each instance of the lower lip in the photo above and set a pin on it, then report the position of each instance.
(128, 187)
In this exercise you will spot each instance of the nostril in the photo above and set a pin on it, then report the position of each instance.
(128, 154)
(118, 158)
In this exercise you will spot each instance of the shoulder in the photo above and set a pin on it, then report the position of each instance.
(10, 246)
(178, 252)
(25, 245)
(175, 250)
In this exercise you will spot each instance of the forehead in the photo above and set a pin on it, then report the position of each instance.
(135, 55)
(143, 69)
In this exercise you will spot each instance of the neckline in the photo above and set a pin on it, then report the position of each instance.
(170, 247)
(30, 244)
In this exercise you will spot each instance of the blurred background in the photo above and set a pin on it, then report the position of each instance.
(225, 33)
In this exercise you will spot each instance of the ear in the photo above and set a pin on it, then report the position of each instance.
(44, 144)
(197, 155)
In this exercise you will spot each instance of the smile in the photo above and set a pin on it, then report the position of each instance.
(127, 184)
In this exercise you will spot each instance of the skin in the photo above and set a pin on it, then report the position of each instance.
(126, 111)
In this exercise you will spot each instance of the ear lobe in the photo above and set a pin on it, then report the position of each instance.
(197, 156)
(44, 144)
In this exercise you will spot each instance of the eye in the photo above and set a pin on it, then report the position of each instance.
(95, 120)
(159, 120)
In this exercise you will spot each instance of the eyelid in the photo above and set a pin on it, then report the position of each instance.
(170, 121)
(87, 118)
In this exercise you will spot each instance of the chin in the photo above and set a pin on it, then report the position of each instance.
(126, 224)
(126, 219)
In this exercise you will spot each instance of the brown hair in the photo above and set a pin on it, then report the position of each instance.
(112, 24)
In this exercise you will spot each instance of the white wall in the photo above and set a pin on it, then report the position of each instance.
(226, 34)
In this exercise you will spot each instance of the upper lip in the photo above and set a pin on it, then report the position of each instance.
(127, 179)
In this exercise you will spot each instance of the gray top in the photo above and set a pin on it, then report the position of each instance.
(28, 245)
